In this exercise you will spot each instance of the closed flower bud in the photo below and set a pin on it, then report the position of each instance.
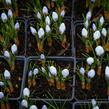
(38, 15)
(33, 107)
(41, 33)
(90, 60)
(53, 70)
(93, 1)
(4, 17)
(93, 101)
(26, 92)
(24, 103)
(42, 56)
(82, 71)
(104, 32)
(43, 69)
(6, 54)
(94, 27)
(99, 50)
(86, 24)
(62, 13)
(55, 16)
(44, 107)
(14, 48)
(47, 29)
(1, 84)
(65, 73)
(91, 73)
(8, 2)
(17, 26)
(62, 28)
(96, 107)
(30, 73)
(33, 31)
(47, 20)
(96, 35)
(107, 72)
(101, 20)
(45, 10)
(88, 15)
(35, 71)
(84, 33)
(1, 95)
(7, 74)
(10, 13)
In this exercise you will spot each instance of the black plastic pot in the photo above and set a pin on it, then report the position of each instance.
(41, 93)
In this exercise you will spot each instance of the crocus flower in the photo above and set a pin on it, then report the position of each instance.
(62, 28)
(94, 26)
(91, 73)
(8, 2)
(17, 26)
(1, 84)
(55, 16)
(93, 101)
(24, 103)
(42, 56)
(107, 72)
(86, 24)
(82, 71)
(53, 70)
(6, 54)
(7, 74)
(45, 10)
(65, 73)
(33, 31)
(4, 17)
(47, 29)
(99, 50)
(96, 107)
(14, 48)
(62, 13)
(38, 15)
(96, 35)
(33, 107)
(88, 15)
(43, 69)
(10, 14)
(1, 95)
(41, 33)
(44, 107)
(26, 92)
(35, 71)
(47, 20)
(84, 33)
(90, 60)
(101, 20)
(30, 73)
(104, 32)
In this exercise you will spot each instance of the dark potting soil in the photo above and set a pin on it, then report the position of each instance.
(56, 49)
(16, 75)
(42, 88)
(14, 105)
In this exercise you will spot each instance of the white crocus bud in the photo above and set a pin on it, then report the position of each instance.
(10, 14)
(107, 72)
(62, 13)
(24, 103)
(96, 107)
(42, 56)
(99, 50)
(65, 73)
(94, 27)
(43, 69)
(7, 74)
(82, 71)
(47, 29)
(33, 107)
(96, 35)
(6, 54)
(14, 48)
(55, 16)
(86, 24)
(84, 33)
(4, 17)
(17, 26)
(44, 107)
(41, 33)
(8, 2)
(62, 28)
(45, 10)
(47, 20)
(93, 1)
(88, 15)
(33, 31)
(38, 15)
(26, 92)
(30, 73)
(104, 32)
(101, 20)
(90, 60)
(93, 101)
(53, 70)
(1, 95)
(1, 84)
(35, 71)
(91, 73)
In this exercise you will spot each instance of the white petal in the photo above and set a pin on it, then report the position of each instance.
(94, 26)
(93, 101)
(107, 72)
(7, 74)
(104, 32)
(24, 103)
(33, 31)
(30, 73)
(47, 20)
(101, 20)
(41, 33)
(35, 71)
(53, 70)
(44, 107)
(38, 15)
(82, 71)
(6, 54)
(26, 92)
(99, 50)
(55, 16)
(62, 13)
(8, 2)
(91, 73)
(1, 95)
(14, 48)
(17, 26)
(62, 28)
(33, 107)
(88, 15)
(42, 56)
(65, 73)
(10, 14)
(47, 28)
(4, 17)
(96, 35)
(84, 33)
(90, 60)
(45, 10)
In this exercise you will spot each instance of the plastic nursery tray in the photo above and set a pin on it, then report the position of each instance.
(55, 59)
